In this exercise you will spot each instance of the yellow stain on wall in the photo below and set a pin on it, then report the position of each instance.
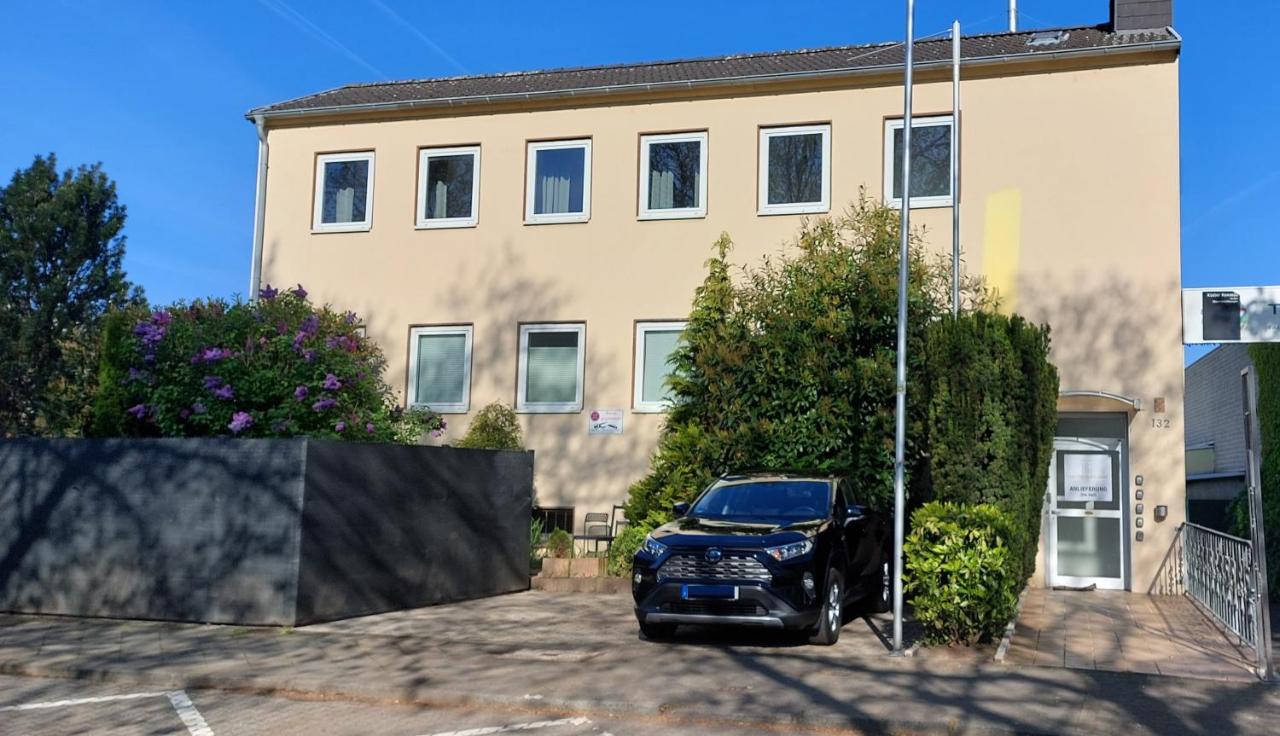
(1001, 244)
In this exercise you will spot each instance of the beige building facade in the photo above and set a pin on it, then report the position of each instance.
(536, 239)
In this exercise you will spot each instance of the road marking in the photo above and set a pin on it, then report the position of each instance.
(578, 721)
(191, 717)
(80, 701)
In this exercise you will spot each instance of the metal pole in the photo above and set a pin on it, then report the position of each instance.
(955, 168)
(1257, 532)
(900, 433)
(1013, 15)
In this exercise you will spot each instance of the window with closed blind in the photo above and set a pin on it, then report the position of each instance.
(549, 377)
(655, 343)
(440, 368)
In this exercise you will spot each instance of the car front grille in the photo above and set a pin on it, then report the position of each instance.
(715, 608)
(730, 567)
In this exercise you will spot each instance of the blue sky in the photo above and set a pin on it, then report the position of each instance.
(157, 90)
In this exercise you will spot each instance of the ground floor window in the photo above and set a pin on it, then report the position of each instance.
(550, 368)
(440, 368)
(655, 344)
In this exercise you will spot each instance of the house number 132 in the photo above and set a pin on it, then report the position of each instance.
(1160, 423)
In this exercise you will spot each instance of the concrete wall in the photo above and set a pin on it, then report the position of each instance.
(255, 531)
(1071, 199)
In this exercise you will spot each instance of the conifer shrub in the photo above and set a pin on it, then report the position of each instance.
(495, 427)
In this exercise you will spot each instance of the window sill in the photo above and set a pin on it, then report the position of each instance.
(550, 409)
(641, 409)
(697, 214)
(450, 224)
(360, 227)
(808, 209)
(920, 203)
(442, 409)
(557, 220)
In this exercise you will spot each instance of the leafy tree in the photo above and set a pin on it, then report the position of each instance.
(60, 273)
(495, 427)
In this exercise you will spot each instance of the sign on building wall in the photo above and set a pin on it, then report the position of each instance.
(1086, 476)
(1231, 314)
(604, 421)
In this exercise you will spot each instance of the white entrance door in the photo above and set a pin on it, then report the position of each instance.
(1087, 494)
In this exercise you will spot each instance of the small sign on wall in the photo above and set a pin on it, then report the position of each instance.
(604, 421)
(1086, 476)
(1232, 314)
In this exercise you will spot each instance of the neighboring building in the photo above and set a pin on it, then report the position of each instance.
(1215, 434)
(536, 238)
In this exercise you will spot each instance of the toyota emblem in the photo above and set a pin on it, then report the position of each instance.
(713, 555)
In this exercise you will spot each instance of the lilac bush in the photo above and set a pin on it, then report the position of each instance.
(280, 367)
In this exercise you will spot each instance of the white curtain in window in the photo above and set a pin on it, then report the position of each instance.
(551, 368)
(442, 200)
(662, 190)
(555, 194)
(345, 204)
(442, 366)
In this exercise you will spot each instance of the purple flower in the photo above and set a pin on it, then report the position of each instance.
(212, 382)
(340, 427)
(240, 421)
(301, 392)
(350, 318)
(268, 293)
(369, 427)
(331, 383)
(136, 375)
(184, 414)
(139, 411)
(309, 356)
(213, 355)
(310, 325)
(225, 392)
(323, 404)
(299, 292)
(161, 318)
(198, 408)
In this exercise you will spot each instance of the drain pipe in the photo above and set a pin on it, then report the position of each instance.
(259, 209)
(1013, 15)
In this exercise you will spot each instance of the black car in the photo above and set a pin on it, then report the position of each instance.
(778, 551)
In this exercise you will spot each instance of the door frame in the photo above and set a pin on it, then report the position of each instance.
(1121, 439)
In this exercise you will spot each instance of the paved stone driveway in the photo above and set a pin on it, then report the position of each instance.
(1124, 632)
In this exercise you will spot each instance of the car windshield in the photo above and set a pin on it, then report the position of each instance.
(768, 500)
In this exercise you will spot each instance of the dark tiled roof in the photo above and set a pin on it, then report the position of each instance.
(718, 69)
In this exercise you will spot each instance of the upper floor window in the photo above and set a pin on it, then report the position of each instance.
(795, 169)
(558, 188)
(448, 187)
(673, 176)
(440, 368)
(344, 192)
(655, 344)
(930, 162)
(549, 374)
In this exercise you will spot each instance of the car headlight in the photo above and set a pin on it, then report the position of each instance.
(652, 547)
(784, 552)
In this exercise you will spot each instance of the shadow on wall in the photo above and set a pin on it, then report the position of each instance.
(573, 468)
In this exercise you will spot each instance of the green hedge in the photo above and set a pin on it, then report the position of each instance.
(963, 575)
(1266, 360)
(992, 414)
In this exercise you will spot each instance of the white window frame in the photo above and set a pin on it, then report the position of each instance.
(459, 408)
(317, 225)
(673, 213)
(894, 124)
(531, 176)
(799, 208)
(424, 159)
(638, 404)
(523, 406)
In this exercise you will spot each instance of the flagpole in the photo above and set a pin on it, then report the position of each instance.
(900, 434)
(955, 168)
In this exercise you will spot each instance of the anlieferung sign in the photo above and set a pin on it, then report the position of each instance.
(1231, 314)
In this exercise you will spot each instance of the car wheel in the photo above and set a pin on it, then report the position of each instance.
(829, 620)
(882, 601)
(656, 632)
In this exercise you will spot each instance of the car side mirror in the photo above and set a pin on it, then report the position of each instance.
(680, 509)
(854, 512)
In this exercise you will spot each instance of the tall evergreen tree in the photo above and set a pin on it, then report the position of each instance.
(60, 273)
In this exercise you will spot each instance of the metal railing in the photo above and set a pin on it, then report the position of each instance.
(1218, 572)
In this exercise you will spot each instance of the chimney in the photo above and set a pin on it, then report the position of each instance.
(1141, 15)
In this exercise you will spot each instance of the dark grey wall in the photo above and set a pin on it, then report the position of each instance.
(389, 527)
(256, 531)
(1141, 15)
(188, 530)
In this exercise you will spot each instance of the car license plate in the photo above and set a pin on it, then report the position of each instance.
(714, 592)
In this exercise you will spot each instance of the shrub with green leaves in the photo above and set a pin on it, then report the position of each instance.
(277, 367)
(1266, 361)
(559, 544)
(623, 548)
(963, 576)
(495, 427)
